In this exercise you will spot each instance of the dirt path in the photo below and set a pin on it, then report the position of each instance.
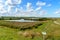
(56, 22)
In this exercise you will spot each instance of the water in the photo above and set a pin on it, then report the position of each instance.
(21, 20)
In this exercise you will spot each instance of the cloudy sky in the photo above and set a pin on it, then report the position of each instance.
(30, 8)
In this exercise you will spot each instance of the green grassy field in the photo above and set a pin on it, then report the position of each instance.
(52, 29)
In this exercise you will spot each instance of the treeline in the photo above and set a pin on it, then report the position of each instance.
(9, 18)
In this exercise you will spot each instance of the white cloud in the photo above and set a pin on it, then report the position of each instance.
(40, 3)
(43, 12)
(38, 9)
(2, 9)
(8, 2)
(11, 8)
(16, 1)
(57, 12)
(12, 2)
(29, 11)
(11, 5)
(1, 6)
(49, 5)
(29, 7)
(7, 6)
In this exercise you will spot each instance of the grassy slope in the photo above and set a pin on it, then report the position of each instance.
(12, 34)
(8, 34)
(49, 27)
(52, 29)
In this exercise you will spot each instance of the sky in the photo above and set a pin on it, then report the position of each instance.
(30, 8)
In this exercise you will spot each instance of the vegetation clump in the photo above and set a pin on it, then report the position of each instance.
(30, 34)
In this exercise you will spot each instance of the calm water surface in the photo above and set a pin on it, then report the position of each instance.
(21, 20)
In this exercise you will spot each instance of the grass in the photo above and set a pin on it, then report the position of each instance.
(53, 32)
(12, 34)
(8, 34)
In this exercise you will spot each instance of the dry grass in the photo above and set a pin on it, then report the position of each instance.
(30, 34)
